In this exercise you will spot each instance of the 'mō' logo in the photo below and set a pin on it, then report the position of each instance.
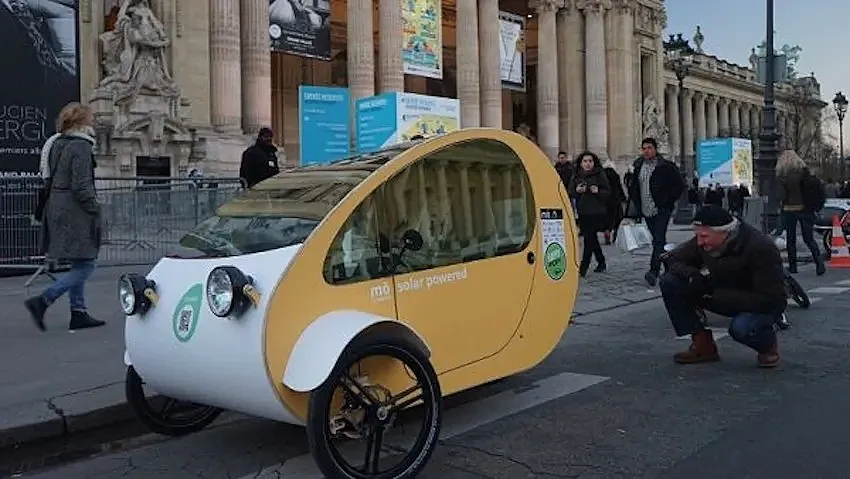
(185, 319)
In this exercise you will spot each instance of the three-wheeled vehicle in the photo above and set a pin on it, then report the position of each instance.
(351, 298)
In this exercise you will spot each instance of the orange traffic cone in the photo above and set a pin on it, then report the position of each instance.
(840, 252)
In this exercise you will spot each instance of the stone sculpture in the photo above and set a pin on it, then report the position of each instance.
(698, 40)
(653, 123)
(754, 60)
(134, 53)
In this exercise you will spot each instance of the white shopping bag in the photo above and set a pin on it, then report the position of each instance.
(781, 242)
(642, 235)
(626, 240)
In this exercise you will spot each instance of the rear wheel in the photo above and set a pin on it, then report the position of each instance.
(349, 413)
(164, 415)
(796, 292)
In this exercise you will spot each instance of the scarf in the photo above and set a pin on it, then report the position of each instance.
(86, 133)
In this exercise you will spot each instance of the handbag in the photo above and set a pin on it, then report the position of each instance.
(626, 240)
(44, 193)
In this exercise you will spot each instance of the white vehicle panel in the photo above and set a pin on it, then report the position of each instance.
(222, 361)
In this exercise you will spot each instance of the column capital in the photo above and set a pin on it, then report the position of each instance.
(541, 6)
(723, 101)
(671, 88)
(623, 6)
(568, 7)
(711, 99)
(593, 6)
(689, 93)
(699, 95)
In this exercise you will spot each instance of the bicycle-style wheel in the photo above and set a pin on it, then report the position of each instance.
(796, 291)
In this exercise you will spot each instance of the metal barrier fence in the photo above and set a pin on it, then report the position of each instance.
(144, 217)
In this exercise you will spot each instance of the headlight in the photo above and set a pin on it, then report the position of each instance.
(230, 292)
(136, 294)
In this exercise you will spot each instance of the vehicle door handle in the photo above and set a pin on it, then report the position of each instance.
(530, 257)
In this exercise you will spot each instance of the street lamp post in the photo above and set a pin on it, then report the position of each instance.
(769, 136)
(679, 58)
(840, 104)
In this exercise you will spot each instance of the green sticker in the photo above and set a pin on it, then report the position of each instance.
(555, 261)
(186, 314)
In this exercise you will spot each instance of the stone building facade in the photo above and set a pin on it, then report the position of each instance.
(600, 81)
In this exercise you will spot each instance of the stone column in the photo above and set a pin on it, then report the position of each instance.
(734, 119)
(547, 76)
(755, 119)
(688, 121)
(391, 77)
(361, 49)
(571, 79)
(723, 122)
(491, 69)
(699, 115)
(745, 120)
(673, 118)
(624, 105)
(256, 66)
(468, 71)
(596, 75)
(711, 117)
(225, 66)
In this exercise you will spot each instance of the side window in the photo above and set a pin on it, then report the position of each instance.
(469, 201)
(354, 255)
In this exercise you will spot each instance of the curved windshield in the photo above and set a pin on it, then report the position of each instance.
(280, 211)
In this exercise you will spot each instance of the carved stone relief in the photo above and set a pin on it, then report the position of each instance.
(653, 123)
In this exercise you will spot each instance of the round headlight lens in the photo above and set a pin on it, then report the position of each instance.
(220, 292)
(126, 296)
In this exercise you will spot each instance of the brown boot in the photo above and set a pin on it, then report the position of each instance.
(703, 349)
(770, 358)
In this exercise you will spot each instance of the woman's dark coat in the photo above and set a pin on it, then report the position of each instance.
(615, 199)
(587, 203)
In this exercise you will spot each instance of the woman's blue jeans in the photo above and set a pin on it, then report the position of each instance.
(73, 282)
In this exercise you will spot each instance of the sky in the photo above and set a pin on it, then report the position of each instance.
(732, 27)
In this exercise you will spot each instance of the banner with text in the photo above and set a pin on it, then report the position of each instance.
(512, 50)
(422, 48)
(323, 124)
(301, 27)
(391, 118)
(40, 68)
(725, 161)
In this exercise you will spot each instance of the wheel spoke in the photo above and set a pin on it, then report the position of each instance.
(356, 391)
(373, 450)
(399, 402)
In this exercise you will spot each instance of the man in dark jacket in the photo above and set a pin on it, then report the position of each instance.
(259, 161)
(731, 269)
(653, 193)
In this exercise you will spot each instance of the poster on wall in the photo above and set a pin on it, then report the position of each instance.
(725, 161)
(40, 68)
(391, 118)
(323, 124)
(512, 50)
(301, 27)
(422, 31)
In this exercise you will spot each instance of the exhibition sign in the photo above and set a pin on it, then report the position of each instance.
(725, 161)
(324, 124)
(391, 118)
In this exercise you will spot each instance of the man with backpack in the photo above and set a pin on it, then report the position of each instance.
(802, 195)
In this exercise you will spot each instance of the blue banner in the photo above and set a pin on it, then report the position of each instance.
(323, 124)
(714, 162)
(377, 122)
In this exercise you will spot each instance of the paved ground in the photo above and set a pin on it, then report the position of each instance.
(608, 403)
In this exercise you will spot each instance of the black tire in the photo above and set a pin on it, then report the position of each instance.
(195, 416)
(796, 292)
(827, 244)
(319, 436)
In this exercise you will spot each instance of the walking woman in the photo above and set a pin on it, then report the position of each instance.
(797, 188)
(616, 201)
(589, 186)
(71, 226)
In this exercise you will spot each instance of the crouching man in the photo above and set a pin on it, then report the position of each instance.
(732, 269)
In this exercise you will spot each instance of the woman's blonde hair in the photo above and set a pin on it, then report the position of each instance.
(73, 116)
(789, 161)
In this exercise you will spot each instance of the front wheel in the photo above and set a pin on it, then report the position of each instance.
(796, 291)
(164, 415)
(349, 409)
